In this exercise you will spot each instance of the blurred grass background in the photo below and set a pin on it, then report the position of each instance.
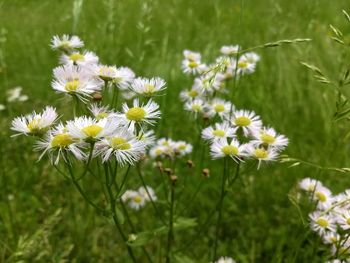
(260, 223)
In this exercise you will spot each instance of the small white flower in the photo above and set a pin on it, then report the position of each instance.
(15, 94)
(343, 219)
(331, 238)
(35, 123)
(158, 151)
(75, 80)
(89, 129)
(2, 107)
(123, 145)
(219, 131)
(147, 87)
(323, 197)
(252, 57)
(182, 148)
(58, 141)
(261, 154)
(86, 58)
(191, 94)
(124, 78)
(270, 138)
(191, 55)
(193, 67)
(148, 194)
(136, 200)
(66, 43)
(100, 112)
(248, 121)
(195, 106)
(244, 66)
(309, 185)
(229, 50)
(219, 107)
(104, 72)
(222, 148)
(321, 223)
(225, 260)
(140, 113)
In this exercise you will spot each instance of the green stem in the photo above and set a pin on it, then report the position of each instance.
(124, 179)
(171, 224)
(92, 145)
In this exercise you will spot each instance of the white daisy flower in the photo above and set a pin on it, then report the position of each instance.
(331, 238)
(56, 142)
(244, 66)
(252, 57)
(166, 142)
(225, 260)
(261, 154)
(75, 80)
(104, 72)
(182, 148)
(195, 106)
(343, 219)
(15, 94)
(323, 197)
(229, 50)
(193, 67)
(191, 55)
(140, 113)
(147, 137)
(148, 194)
(35, 123)
(158, 151)
(66, 43)
(124, 78)
(268, 137)
(321, 223)
(86, 58)
(219, 131)
(123, 145)
(90, 130)
(147, 87)
(191, 94)
(207, 83)
(136, 200)
(127, 195)
(248, 121)
(309, 185)
(219, 107)
(222, 148)
(100, 112)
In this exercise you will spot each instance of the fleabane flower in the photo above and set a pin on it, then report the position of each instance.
(74, 80)
(218, 107)
(261, 154)
(100, 112)
(219, 131)
(309, 184)
(230, 50)
(90, 130)
(196, 106)
(158, 151)
(148, 193)
(148, 137)
(147, 87)
(124, 78)
(225, 260)
(191, 94)
(85, 58)
(140, 113)
(268, 137)
(123, 145)
(343, 219)
(223, 148)
(15, 94)
(331, 238)
(182, 148)
(321, 223)
(104, 72)
(251, 57)
(35, 123)
(57, 143)
(193, 67)
(323, 197)
(66, 43)
(134, 199)
(191, 55)
(244, 66)
(248, 121)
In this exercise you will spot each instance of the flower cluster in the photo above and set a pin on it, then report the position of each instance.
(166, 147)
(103, 131)
(139, 198)
(233, 132)
(331, 218)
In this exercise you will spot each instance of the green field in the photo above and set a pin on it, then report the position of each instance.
(260, 223)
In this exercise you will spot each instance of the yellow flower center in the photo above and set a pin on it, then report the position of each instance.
(229, 150)
(137, 199)
(219, 133)
(243, 121)
(182, 147)
(76, 57)
(196, 107)
(101, 115)
(119, 143)
(149, 89)
(242, 64)
(106, 73)
(136, 114)
(193, 64)
(92, 130)
(321, 196)
(192, 93)
(322, 222)
(348, 221)
(267, 138)
(61, 140)
(33, 125)
(72, 85)
(261, 153)
(158, 152)
(219, 107)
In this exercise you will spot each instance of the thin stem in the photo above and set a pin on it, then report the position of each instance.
(114, 214)
(219, 208)
(171, 223)
(124, 178)
(92, 145)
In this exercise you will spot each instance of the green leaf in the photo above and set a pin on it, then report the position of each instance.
(140, 239)
(120, 216)
(183, 223)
